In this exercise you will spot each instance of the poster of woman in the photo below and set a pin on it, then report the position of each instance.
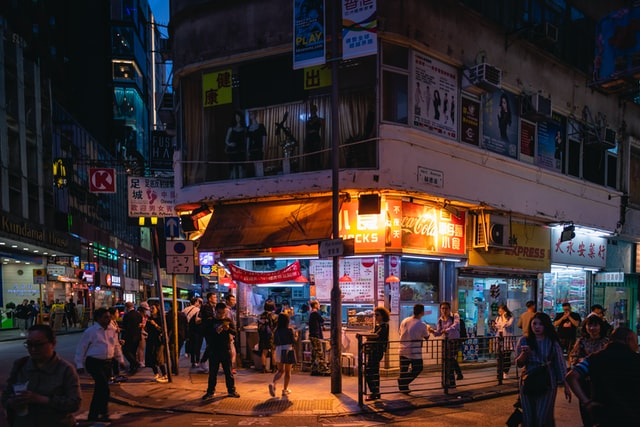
(500, 123)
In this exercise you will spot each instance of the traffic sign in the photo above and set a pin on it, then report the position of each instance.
(180, 257)
(330, 248)
(172, 227)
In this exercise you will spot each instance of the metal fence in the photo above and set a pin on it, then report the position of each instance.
(481, 361)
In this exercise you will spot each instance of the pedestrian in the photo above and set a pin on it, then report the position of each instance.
(319, 366)
(115, 367)
(284, 338)
(145, 312)
(70, 313)
(174, 351)
(217, 337)
(266, 325)
(42, 390)
(33, 313)
(525, 318)
(412, 332)
(614, 372)
(194, 331)
(131, 335)
(567, 323)
(374, 349)
(154, 357)
(98, 347)
(598, 310)
(541, 348)
(207, 314)
(230, 301)
(504, 328)
(449, 326)
(21, 313)
(593, 339)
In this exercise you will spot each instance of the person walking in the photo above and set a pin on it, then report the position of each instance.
(614, 396)
(375, 347)
(540, 348)
(449, 326)
(217, 336)
(412, 333)
(145, 312)
(154, 356)
(230, 301)
(504, 329)
(284, 338)
(99, 346)
(319, 366)
(525, 318)
(42, 388)
(21, 313)
(195, 339)
(567, 323)
(594, 338)
(131, 335)
(266, 325)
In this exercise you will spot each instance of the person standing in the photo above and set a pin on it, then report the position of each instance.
(541, 347)
(412, 332)
(266, 326)
(71, 313)
(154, 355)
(525, 318)
(99, 346)
(182, 336)
(22, 315)
(449, 326)
(33, 313)
(284, 338)
(194, 341)
(230, 301)
(504, 329)
(131, 334)
(593, 339)
(614, 372)
(236, 146)
(218, 348)
(598, 310)
(206, 314)
(313, 143)
(52, 386)
(375, 347)
(145, 312)
(567, 323)
(319, 366)
(257, 140)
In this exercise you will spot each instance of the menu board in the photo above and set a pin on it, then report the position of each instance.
(362, 272)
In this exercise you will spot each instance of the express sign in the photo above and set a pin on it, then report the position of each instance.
(102, 180)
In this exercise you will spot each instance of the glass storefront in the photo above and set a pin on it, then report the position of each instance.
(565, 285)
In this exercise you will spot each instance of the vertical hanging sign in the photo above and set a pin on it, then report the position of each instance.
(309, 41)
(359, 27)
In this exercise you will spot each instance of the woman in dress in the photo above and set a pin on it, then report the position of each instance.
(541, 347)
(504, 328)
(284, 338)
(256, 139)
(593, 339)
(375, 347)
(236, 146)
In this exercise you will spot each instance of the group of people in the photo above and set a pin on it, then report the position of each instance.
(64, 314)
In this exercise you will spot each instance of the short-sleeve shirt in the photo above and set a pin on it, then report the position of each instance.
(412, 332)
(566, 328)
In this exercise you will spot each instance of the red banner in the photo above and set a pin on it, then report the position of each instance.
(290, 272)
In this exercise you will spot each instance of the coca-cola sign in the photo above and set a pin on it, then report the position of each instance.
(432, 229)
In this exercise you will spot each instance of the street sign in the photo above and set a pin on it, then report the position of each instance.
(102, 180)
(171, 227)
(39, 276)
(330, 248)
(180, 257)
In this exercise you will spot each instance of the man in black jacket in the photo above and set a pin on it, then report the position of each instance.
(131, 334)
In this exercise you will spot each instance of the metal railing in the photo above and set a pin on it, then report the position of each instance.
(479, 360)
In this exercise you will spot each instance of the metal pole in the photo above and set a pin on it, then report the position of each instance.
(163, 317)
(174, 310)
(336, 295)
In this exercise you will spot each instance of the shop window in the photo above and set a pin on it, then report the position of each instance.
(395, 97)
(565, 286)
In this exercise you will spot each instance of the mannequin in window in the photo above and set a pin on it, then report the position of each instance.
(256, 139)
(236, 146)
(313, 143)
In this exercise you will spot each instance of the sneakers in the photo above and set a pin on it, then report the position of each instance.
(372, 396)
(233, 394)
(162, 379)
(208, 395)
(272, 390)
(459, 377)
(286, 392)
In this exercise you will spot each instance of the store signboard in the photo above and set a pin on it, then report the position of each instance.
(431, 229)
(584, 250)
(151, 197)
(531, 252)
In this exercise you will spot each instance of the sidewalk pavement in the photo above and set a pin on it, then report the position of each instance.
(311, 395)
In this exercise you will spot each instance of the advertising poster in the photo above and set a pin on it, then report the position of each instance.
(151, 197)
(359, 27)
(527, 141)
(216, 88)
(470, 130)
(431, 229)
(500, 123)
(549, 145)
(435, 94)
(309, 40)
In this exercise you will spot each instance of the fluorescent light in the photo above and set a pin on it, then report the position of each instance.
(280, 285)
(250, 259)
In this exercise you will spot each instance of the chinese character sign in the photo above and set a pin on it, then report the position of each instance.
(431, 229)
(216, 88)
(359, 27)
(309, 44)
(584, 249)
(151, 197)
(435, 97)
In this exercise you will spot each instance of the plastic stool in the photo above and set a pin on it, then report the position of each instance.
(350, 360)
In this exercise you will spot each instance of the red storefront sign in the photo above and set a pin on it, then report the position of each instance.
(431, 229)
(290, 272)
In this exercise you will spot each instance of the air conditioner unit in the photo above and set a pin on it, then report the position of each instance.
(545, 33)
(490, 230)
(604, 137)
(485, 77)
(535, 107)
(608, 137)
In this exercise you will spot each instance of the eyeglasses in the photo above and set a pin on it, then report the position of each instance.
(31, 344)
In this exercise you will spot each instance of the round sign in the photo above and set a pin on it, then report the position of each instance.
(179, 248)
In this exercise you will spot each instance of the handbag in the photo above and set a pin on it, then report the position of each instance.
(537, 379)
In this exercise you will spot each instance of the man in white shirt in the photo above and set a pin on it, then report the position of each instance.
(99, 346)
(412, 331)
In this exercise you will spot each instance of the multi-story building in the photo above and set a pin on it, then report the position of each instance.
(487, 151)
(77, 86)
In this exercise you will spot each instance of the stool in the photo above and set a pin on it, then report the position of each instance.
(350, 364)
(306, 356)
